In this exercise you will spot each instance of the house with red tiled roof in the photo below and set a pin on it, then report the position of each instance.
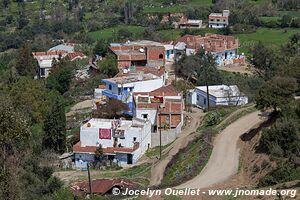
(163, 107)
(45, 59)
(223, 47)
(122, 141)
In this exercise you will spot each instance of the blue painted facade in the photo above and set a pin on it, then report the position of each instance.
(225, 55)
(123, 94)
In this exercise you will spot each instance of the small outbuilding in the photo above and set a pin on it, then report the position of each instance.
(219, 95)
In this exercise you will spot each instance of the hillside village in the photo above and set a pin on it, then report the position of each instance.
(103, 97)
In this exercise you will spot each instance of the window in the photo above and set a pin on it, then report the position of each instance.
(224, 20)
(204, 101)
(42, 72)
(109, 87)
(218, 20)
(161, 56)
(145, 116)
(119, 91)
(134, 139)
(198, 97)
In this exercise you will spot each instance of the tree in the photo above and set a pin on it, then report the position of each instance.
(112, 109)
(99, 153)
(262, 60)
(5, 3)
(282, 135)
(101, 47)
(225, 31)
(276, 93)
(22, 18)
(55, 125)
(295, 23)
(207, 69)
(14, 135)
(286, 21)
(202, 69)
(124, 34)
(26, 65)
(28, 96)
(108, 66)
(60, 76)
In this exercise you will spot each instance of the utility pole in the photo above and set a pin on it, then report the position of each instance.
(207, 92)
(89, 175)
(160, 135)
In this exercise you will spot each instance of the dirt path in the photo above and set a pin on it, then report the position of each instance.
(84, 105)
(182, 141)
(224, 159)
(237, 68)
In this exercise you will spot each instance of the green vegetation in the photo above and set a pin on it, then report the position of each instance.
(282, 142)
(269, 19)
(112, 32)
(154, 152)
(292, 13)
(191, 160)
(159, 7)
(272, 38)
(139, 174)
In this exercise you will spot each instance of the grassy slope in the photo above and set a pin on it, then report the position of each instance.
(157, 6)
(108, 32)
(272, 38)
(190, 155)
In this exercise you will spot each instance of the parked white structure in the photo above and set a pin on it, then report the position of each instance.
(122, 141)
(218, 95)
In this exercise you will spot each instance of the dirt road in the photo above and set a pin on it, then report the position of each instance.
(224, 159)
(84, 105)
(182, 141)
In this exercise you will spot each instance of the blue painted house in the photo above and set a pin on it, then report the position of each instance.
(123, 86)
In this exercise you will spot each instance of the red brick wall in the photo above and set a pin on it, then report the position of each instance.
(175, 120)
(122, 64)
(154, 52)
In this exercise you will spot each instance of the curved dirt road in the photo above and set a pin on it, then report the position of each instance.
(157, 171)
(224, 159)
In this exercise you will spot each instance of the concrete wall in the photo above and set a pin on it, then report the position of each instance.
(151, 114)
(167, 136)
(89, 136)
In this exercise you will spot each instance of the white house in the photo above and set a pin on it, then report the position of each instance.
(164, 108)
(218, 95)
(45, 59)
(219, 20)
(122, 141)
(123, 85)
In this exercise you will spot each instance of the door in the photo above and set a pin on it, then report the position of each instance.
(129, 159)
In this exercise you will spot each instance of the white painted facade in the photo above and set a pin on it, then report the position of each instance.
(218, 95)
(135, 131)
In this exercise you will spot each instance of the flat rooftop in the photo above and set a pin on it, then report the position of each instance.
(138, 43)
(129, 52)
(221, 90)
(131, 78)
